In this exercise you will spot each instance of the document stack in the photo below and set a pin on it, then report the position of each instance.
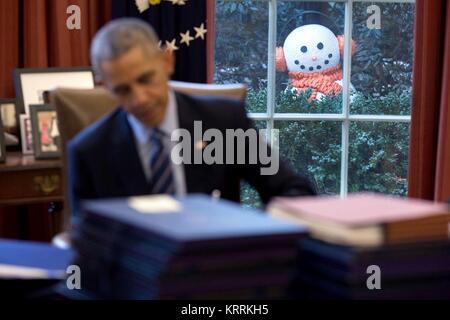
(31, 269)
(189, 248)
(370, 246)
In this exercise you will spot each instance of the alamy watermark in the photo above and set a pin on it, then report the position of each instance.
(374, 21)
(73, 281)
(73, 21)
(374, 280)
(234, 146)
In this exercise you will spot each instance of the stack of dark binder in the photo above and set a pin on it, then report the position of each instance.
(189, 248)
(371, 246)
(407, 271)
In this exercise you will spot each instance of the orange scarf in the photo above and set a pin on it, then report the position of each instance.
(321, 81)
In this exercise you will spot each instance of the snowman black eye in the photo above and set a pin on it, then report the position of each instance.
(320, 46)
(304, 49)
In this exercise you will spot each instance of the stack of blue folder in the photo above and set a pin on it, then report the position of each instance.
(208, 250)
(30, 269)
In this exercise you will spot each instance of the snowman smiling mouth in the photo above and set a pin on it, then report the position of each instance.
(314, 67)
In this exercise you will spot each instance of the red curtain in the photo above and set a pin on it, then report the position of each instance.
(34, 34)
(429, 163)
(9, 45)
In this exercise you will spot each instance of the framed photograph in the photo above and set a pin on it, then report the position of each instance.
(2, 144)
(10, 119)
(26, 134)
(46, 137)
(33, 84)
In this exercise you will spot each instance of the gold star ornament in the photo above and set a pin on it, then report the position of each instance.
(201, 31)
(186, 38)
(178, 2)
(144, 5)
(171, 45)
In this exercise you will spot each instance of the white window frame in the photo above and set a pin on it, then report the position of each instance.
(345, 117)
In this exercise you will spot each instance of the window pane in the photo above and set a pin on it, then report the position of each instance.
(241, 45)
(379, 157)
(249, 195)
(313, 148)
(309, 62)
(383, 60)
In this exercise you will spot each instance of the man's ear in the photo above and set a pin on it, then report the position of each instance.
(169, 60)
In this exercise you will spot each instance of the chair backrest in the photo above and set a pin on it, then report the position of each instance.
(78, 108)
(236, 90)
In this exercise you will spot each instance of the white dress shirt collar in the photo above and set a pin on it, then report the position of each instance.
(142, 133)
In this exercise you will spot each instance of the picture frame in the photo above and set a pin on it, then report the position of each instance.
(46, 136)
(2, 144)
(32, 84)
(26, 134)
(10, 119)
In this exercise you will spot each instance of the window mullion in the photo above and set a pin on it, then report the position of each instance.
(346, 97)
(271, 67)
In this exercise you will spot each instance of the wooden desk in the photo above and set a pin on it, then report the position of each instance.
(29, 189)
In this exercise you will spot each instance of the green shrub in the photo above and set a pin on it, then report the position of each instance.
(378, 151)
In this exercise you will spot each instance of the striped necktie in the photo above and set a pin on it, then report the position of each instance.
(162, 180)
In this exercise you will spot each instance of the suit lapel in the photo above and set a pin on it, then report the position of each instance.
(187, 114)
(126, 160)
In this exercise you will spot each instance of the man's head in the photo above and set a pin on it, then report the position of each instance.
(126, 55)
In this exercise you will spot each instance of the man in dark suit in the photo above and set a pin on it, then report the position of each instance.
(127, 152)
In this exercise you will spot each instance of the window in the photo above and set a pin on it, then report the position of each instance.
(355, 136)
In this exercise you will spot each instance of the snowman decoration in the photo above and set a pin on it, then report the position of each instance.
(312, 56)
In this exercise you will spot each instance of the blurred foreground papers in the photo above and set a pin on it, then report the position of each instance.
(28, 268)
(155, 204)
(366, 219)
(370, 246)
(32, 260)
(205, 249)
